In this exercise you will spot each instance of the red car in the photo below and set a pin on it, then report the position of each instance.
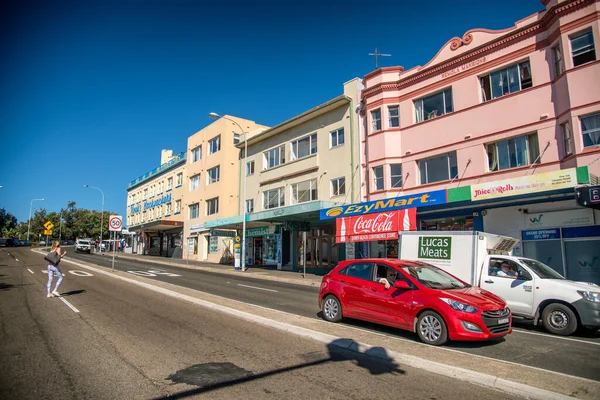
(421, 298)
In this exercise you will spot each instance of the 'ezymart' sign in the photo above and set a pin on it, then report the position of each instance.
(380, 226)
(563, 179)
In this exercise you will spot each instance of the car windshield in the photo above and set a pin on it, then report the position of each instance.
(84, 242)
(541, 269)
(433, 277)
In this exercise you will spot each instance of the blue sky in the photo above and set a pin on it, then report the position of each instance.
(91, 91)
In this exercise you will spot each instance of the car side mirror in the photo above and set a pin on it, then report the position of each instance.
(401, 285)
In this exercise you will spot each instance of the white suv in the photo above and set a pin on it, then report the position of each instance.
(83, 245)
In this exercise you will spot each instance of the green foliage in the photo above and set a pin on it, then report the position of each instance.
(7, 223)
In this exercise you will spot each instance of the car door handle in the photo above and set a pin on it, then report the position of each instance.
(489, 281)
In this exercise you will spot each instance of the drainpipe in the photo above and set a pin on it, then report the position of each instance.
(352, 174)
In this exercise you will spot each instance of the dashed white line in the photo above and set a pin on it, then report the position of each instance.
(259, 288)
(30, 270)
(556, 337)
(69, 305)
(16, 259)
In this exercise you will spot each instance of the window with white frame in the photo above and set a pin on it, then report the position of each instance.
(338, 186)
(169, 183)
(304, 147)
(194, 182)
(169, 207)
(250, 168)
(212, 206)
(152, 190)
(304, 191)
(214, 145)
(145, 193)
(213, 175)
(196, 154)
(590, 130)
(435, 105)
(179, 179)
(177, 206)
(151, 214)
(273, 198)
(194, 210)
(337, 137)
(513, 152)
(160, 211)
(274, 157)
(582, 48)
(378, 178)
(250, 206)
(376, 119)
(144, 216)
(565, 130)
(439, 168)
(557, 55)
(511, 79)
(394, 116)
(395, 176)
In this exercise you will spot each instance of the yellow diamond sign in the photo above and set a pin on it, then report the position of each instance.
(48, 232)
(48, 225)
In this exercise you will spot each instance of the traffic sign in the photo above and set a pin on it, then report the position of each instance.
(115, 223)
(48, 232)
(48, 225)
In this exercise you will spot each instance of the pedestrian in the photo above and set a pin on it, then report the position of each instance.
(53, 259)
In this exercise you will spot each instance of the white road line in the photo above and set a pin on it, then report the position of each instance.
(69, 305)
(30, 270)
(16, 259)
(556, 337)
(259, 288)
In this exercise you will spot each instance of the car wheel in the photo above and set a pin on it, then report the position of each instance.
(431, 328)
(332, 309)
(559, 319)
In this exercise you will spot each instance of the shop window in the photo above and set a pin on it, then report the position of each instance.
(214, 145)
(338, 186)
(213, 175)
(213, 244)
(394, 116)
(304, 147)
(378, 178)
(439, 168)
(395, 176)
(212, 206)
(590, 130)
(511, 79)
(273, 198)
(513, 152)
(194, 208)
(433, 106)
(274, 157)
(582, 48)
(376, 119)
(304, 191)
(337, 137)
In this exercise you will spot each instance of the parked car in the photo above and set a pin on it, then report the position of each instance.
(4, 242)
(83, 245)
(423, 298)
(25, 242)
(42, 242)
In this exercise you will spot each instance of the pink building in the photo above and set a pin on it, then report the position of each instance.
(490, 112)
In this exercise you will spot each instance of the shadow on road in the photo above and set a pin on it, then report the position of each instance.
(72, 292)
(212, 376)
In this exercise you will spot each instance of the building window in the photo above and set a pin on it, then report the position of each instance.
(438, 168)
(582, 48)
(434, 106)
(213, 175)
(513, 152)
(196, 154)
(274, 157)
(194, 210)
(338, 186)
(273, 198)
(177, 206)
(395, 176)
(212, 206)
(214, 145)
(376, 119)
(304, 147)
(337, 137)
(508, 80)
(169, 207)
(557, 54)
(590, 128)
(394, 116)
(566, 134)
(250, 206)
(378, 178)
(169, 183)
(145, 193)
(304, 191)
(194, 182)
(179, 179)
(250, 168)
(159, 212)
(144, 216)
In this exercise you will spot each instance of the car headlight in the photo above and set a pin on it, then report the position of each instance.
(459, 306)
(590, 296)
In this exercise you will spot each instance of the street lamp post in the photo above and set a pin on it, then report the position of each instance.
(29, 223)
(244, 172)
(102, 215)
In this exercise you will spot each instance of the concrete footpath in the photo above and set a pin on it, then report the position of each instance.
(517, 379)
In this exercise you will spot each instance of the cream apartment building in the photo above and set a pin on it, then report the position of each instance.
(154, 208)
(212, 186)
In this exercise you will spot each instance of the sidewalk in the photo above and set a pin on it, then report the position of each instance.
(266, 273)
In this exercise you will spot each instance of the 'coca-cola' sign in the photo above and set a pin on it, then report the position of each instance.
(380, 226)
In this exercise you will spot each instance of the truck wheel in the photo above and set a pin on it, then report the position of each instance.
(559, 319)
(332, 309)
(431, 328)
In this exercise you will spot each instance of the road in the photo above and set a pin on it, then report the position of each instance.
(109, 339)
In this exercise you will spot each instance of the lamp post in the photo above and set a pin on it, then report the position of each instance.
(29, 223)
(243, 255)
(60, 226)
(102, 215)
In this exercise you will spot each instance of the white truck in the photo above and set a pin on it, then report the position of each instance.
(531, 289)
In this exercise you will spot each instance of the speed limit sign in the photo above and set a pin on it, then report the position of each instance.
(115, 223)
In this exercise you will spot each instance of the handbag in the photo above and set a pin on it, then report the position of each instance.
(52, 258)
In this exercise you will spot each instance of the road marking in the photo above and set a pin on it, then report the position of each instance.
(30, 270)
(259, 288)
(556, 337)
(16, 259)
(69, 305)
(80, 273)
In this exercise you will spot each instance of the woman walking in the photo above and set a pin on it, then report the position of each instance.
(54, 269)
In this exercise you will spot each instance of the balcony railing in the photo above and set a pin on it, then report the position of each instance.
(180, 159)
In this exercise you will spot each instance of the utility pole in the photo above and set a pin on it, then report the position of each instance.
(377, 54)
